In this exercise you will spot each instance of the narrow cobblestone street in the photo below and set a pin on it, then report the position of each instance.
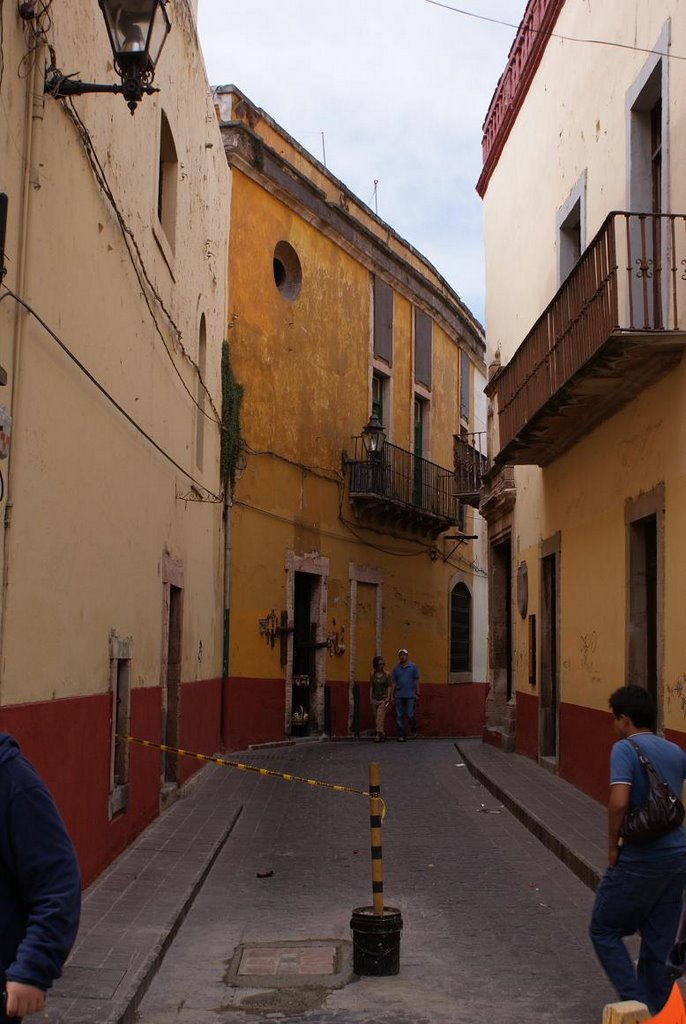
(494, 925)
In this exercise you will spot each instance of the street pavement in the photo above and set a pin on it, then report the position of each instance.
(494, 922)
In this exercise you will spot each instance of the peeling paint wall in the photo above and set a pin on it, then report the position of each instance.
(306, 369)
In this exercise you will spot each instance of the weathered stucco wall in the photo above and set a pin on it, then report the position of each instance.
(306, 370)
(572, 138)
(92, 507)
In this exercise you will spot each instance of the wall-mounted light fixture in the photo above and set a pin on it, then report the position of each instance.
(137, 31)
(373, 436)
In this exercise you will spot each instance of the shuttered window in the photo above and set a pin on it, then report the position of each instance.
(464, 387)
(422, 348)
(383, 321)
(460, 629)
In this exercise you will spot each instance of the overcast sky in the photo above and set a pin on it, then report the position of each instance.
(399, 88)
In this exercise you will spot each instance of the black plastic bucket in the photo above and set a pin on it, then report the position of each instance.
(376, 941)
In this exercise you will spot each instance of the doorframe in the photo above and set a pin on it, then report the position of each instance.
(652, 503)
(172, 576)
(315, 565)
(362, 574)
(549, 548)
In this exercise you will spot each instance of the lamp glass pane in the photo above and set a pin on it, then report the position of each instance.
(129, 24)
(158, 33)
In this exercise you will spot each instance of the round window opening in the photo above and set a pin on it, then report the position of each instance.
(288, 273)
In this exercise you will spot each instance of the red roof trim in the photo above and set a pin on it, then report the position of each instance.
(523, 59)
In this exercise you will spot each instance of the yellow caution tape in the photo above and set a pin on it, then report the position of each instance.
(246, 767)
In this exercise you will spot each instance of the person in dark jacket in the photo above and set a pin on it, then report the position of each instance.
(40, 886)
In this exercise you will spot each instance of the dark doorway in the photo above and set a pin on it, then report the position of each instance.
(172, 688)
(548, 735)
(501, 619)
(304, 637)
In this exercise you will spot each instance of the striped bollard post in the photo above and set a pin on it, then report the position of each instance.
(375, 828)
(376, 929)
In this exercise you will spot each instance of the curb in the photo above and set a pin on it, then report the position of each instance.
(584, 871)
(128, 1015)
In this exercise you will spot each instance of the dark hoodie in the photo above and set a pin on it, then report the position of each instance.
(40, 887)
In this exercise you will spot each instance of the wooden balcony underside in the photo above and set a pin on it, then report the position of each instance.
(393, 514)
(623, 366)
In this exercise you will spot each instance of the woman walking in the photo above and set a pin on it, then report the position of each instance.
(378, 697)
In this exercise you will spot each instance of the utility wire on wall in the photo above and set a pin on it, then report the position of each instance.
(142, 273)
(38, 23)
(8, 293)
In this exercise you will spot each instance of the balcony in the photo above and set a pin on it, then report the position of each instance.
(470, 466)
(616, 325)
(498, 493)
(400, 489)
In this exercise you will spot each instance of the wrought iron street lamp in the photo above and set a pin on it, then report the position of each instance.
(374, 436)
(137, 31)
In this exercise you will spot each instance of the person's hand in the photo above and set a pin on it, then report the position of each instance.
(21, 1000)
(612, 856)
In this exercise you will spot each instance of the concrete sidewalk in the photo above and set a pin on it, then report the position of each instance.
(570, 824)
(132, 913)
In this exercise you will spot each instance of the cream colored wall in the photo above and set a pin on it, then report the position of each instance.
(574, 121)
(93, 506)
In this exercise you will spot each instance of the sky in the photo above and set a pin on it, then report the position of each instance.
(399, 89)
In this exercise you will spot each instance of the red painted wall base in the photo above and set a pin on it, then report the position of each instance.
(68, 741)
(254, 710)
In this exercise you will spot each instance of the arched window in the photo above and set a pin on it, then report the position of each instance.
(460, 629)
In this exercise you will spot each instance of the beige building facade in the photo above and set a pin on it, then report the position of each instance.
(586, 322)
(112, 315)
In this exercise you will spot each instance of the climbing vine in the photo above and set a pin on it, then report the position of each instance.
(232, 396)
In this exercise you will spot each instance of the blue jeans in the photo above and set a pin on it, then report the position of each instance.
(404, 706)
(644, 898)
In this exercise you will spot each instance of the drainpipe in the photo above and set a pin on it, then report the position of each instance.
(228, 509)
(35, 104)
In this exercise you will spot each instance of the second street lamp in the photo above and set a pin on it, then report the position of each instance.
(374, 436)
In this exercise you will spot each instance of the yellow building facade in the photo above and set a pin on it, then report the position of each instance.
(336, 558)
(586, 330)
(112, 316)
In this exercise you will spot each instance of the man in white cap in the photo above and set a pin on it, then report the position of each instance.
(405, 692)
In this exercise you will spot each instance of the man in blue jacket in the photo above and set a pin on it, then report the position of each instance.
(40, 886)
(405, 692)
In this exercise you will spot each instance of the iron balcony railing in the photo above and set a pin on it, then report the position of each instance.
(631, 278)
(403, 479)
(470, 465)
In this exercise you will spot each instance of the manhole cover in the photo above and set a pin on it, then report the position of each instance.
(275, 964)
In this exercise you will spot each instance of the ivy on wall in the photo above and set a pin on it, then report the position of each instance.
(232, 396)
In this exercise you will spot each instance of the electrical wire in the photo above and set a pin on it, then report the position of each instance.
(8, 292)
(139, 264)
(317, 471)
(554, 35)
